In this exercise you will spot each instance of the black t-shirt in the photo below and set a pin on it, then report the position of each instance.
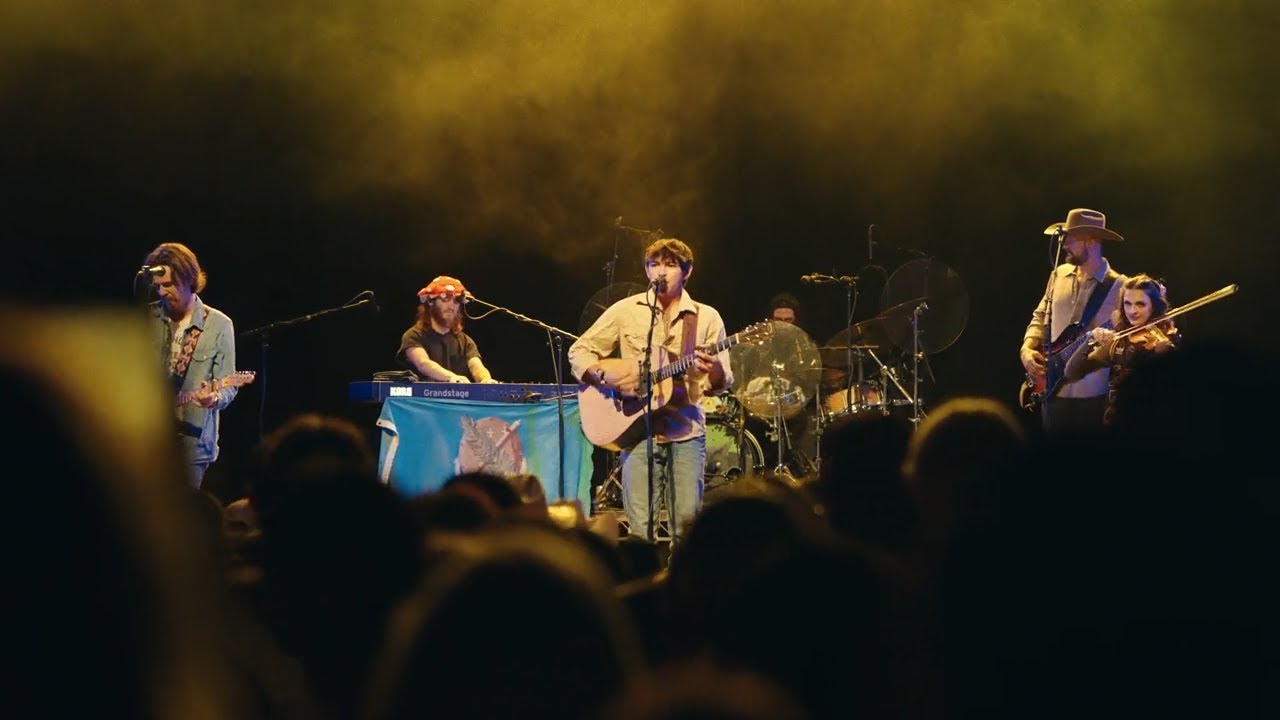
(451, 350)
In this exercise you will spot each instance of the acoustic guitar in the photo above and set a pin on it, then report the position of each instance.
(613, 421)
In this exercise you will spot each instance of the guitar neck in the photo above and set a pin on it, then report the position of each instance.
(1069, 349)
(684, 363)
(235, 380)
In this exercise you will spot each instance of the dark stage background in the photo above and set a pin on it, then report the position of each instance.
(311, 150)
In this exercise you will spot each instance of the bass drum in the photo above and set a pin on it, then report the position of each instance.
(720, 408)
(727, 459)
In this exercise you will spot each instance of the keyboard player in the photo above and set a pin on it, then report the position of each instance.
(435, 347)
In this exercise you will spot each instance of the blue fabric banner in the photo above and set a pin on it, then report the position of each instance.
(425, 441)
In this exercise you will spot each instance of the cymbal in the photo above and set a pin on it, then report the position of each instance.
(932, 281)
(903, 308)
(603, 298)
(777, 375)
(849, 344)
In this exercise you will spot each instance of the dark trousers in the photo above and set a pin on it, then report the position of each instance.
(1074, 415)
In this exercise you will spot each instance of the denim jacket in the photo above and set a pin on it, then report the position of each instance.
(214, 358)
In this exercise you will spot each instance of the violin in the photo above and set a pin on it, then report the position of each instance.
(1154, 338)
(1167, 320)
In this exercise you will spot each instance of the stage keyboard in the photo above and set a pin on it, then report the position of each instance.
(379, 390)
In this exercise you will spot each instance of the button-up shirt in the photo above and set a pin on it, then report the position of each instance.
(624, 326)
(213, 358)
(1068, 290)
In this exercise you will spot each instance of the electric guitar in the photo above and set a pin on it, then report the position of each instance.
(612, 421)
(1038, 387)
(236, 379)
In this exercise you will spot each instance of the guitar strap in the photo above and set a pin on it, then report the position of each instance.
(1100, 292)
(183, 362)
(690, 341)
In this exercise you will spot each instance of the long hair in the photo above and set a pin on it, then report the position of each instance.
(182, 263)
(1155, 292)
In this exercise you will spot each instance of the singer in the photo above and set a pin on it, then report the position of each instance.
(1081, 294)
(678, 326)
(197, 345)
(434, 346)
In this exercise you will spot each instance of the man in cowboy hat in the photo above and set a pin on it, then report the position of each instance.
(1081, 294)
(435, 347)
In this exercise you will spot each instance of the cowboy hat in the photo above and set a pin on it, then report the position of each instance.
(1082, 221)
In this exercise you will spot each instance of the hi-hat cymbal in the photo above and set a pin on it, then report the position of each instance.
(929, 280)
(603, 298)
(777, 375)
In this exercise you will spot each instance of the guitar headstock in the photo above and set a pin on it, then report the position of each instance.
(237, 379)
(757, 332)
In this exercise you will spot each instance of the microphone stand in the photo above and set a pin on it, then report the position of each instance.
(646, 371)
(1055, 245)
(264, 335)
(555, 340)
(850, 283)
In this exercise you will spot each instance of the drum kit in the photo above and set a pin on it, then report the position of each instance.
(872, 366)
(796, 388)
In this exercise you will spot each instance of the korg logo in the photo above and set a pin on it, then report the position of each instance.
(401, 392)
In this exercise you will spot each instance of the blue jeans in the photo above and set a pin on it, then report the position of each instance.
(197, 473)
(677, 476)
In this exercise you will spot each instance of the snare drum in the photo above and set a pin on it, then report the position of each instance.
(864, 397)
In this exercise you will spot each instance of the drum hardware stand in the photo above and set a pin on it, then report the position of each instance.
(820, 426)
(885, 372)
(611, 485)
(916, 357)
(778, 427)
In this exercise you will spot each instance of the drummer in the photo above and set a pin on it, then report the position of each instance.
(784, 307)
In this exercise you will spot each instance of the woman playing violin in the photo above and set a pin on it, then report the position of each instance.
(1144, 301)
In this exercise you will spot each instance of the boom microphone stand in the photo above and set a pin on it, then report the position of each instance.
(365, 297)
(555, 340)
(850, 283)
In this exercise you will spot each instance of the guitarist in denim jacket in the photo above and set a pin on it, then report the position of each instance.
(197, 346)
(1080, 295)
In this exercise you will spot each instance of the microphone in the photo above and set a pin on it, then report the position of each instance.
(156, 270)
(658, 283)
(1054, 229)
(819, 278)
(871, 242)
